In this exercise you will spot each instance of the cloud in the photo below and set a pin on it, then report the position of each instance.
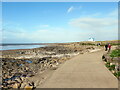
(70, 9)
(97, 25)
(93, 23)
(101, 28)
(41, 35)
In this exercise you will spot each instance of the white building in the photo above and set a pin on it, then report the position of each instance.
(91, 39)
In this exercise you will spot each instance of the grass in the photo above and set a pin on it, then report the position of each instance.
(115, 53)
(87, 44)
(107, 64)
(112, 67)
(117, 74)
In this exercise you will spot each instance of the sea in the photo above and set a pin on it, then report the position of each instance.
(14, 47)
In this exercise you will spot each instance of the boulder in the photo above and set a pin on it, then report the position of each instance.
(28, 87)
(23, 84)
(16, 85)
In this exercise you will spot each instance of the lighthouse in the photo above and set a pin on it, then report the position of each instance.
(91, 39)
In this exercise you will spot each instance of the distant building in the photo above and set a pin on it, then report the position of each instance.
(91, 39)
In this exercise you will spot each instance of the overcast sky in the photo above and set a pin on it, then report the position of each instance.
(38, 22)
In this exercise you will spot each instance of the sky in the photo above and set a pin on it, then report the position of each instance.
(53, 22)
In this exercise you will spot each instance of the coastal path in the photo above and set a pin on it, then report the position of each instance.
(83, 71)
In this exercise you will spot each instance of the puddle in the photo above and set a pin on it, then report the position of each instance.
(12, 78)
(28, 61)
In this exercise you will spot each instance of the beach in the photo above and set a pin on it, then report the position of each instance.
(20, 66)
(57, 44)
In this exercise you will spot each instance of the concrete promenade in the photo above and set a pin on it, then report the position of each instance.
(83, 71)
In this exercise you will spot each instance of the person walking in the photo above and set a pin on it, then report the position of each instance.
(109, 47)
(106, 47)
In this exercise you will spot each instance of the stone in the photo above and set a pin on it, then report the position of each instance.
(54, 67)
(28, 87)
(113, 71)
(18, 80)
(111, 63)
(23, 84)
(22, 78)
(16, 85)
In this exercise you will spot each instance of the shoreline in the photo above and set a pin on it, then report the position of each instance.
(19, 47)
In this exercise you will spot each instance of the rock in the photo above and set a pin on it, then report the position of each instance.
(22, 78)
(54, 67)
(26, 68)
(57, 63)
(11, 82)
(28, 87)
(19, 80)
(23, 84)
(47, 57)
(30, 75)
(111, 64)
(113, 71)
(16, 85)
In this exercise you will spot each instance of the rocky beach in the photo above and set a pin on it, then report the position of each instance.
(58, 44)
(25, 68)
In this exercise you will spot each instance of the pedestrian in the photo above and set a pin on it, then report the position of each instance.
(109, 47)
(106, 47)
(98, 44)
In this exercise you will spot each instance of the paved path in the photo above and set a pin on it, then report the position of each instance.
(82, 71)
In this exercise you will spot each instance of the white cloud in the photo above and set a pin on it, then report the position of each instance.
(70, 9)
(98, 27)
(41, 35)
(80, 29)
(93, 23)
